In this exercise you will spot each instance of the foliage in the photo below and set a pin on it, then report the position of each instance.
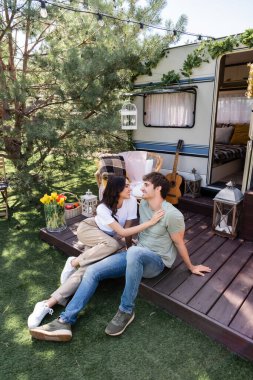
(214, 49)
(170, 77)
(194, 59)
(246, 38)
(62, 81)
(217, 48)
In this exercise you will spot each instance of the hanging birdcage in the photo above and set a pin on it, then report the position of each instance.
(129, 116)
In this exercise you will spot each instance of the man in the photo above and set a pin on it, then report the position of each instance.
(157, 247)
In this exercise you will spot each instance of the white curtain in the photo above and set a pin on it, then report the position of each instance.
(234, 109)
(169, 109)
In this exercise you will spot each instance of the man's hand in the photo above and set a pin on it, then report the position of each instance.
(199, 269)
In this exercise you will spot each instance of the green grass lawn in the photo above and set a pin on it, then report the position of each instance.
(156, 346)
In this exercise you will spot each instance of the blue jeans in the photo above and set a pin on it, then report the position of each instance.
(137, 262)
(111, 267)
(141, 262)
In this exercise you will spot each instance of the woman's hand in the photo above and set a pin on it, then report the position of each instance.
(156, 217)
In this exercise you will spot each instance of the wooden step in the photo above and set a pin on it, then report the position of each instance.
(201, 205)
(246, 230)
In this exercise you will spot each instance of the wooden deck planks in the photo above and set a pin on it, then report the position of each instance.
(233, 340)
(243, 321)
(197, 240)
(205, 302)
(66, 240)
(207, 296)
(180, 274)
(213, 254)
(184, 290)
(232, 299)
(220, 304)
(196, 228)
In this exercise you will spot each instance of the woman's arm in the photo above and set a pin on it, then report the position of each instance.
(136, 229)
(128, 224)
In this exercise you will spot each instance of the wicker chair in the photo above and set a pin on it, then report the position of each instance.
(3, 190)
(133, 165)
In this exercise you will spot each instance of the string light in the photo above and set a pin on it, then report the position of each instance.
(43, 9)
(100, 20)
(105, 15)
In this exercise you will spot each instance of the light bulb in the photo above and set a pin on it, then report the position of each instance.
(100, 20)
(43, 9)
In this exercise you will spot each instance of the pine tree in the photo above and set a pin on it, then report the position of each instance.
(62, 78)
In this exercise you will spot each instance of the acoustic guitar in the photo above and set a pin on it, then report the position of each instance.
(175, 179)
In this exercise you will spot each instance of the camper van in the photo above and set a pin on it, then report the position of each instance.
(208, 111)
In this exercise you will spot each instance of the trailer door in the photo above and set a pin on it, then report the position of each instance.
(247, 182)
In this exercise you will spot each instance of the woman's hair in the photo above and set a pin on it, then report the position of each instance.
(115, 185)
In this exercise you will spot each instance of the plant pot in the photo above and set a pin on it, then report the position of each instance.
(55, 217)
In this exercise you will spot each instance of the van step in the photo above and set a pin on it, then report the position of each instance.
(201, 205)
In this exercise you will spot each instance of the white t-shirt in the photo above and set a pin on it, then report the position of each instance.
(128, 211)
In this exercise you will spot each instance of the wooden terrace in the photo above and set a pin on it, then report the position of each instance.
(220, 304)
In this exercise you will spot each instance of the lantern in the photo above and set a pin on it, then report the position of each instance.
(227, 209)
(89, 204)
(192, 184)
(129, 116)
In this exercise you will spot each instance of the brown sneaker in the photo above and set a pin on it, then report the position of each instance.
(119, 323)
(55, 331)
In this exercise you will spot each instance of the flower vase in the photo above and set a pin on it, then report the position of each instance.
(55, 217)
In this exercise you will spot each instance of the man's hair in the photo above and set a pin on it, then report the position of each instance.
(158, 179)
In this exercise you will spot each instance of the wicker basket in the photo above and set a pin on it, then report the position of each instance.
(74, 211)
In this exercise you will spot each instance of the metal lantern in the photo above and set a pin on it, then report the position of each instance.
(192, 184)
(129, 116)
(89, 204)
(227, 209)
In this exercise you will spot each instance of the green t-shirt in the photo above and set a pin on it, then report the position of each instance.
(157, 238)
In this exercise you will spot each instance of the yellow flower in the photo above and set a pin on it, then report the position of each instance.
(46, 199)
(54, 196)
(61, 201)
(43, 200)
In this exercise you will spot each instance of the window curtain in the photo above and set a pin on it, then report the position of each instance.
(234, 109)
(173, 109)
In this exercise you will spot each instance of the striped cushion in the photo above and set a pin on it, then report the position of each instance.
(112, 164)
(226, 153)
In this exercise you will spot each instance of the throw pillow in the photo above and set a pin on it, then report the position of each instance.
(240, 135)
(223, 135)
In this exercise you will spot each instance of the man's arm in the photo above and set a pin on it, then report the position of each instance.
(178, 240)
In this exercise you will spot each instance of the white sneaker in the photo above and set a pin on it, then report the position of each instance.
(40, 311)
(68, 270)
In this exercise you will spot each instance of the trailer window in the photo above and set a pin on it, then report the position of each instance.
(234, 109)
(174, 109)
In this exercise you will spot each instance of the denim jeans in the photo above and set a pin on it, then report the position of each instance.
(100, 246)
(137, 262)
(141, 262)
(111, 267)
